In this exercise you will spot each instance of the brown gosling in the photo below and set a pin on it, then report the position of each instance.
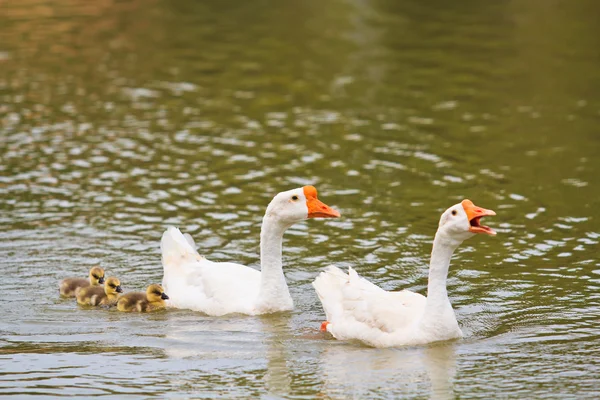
(70, 286)
(101, 296)
(152, 300)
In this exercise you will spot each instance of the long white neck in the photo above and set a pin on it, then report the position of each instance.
(274, 294)
(438, 303)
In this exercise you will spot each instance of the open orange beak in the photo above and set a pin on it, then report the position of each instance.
(474, 214)
(316, 208)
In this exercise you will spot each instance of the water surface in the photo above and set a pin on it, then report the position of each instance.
(120, 118)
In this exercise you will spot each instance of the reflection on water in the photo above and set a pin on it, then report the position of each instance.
(121, 118)
(368, 373)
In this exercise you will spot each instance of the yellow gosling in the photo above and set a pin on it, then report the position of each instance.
(152, 300)
(101, 296)
(70, 286)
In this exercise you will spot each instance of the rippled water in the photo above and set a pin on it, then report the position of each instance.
(120, 118)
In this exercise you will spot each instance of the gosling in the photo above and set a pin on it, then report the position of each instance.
(152, 300)
(70, 286)
(101, 296)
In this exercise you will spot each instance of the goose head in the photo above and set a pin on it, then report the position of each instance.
(96, 276)
(462, 221)
(299, 204)
(112, 286)
(156, 293)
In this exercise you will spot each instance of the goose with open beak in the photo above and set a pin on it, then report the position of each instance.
(356, 309)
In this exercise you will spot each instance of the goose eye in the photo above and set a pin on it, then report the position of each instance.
(453, 212)
(294, 197)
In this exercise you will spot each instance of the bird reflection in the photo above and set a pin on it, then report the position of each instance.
(256, 346)
(277, 378)
(362, 372)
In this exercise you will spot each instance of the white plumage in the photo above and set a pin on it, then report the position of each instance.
(219, 288)
(356, 309)
(195, 283)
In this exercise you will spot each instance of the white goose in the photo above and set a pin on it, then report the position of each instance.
(219, 288)
(357, 309)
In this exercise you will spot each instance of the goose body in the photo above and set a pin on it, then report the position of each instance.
(219, 288)
(357, 309)
(100, 296)
(69, 287)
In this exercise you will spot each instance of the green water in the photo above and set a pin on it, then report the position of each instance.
(120, 118)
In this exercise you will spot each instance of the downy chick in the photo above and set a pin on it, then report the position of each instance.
(152, 300)
(100, 296)
(70, 286)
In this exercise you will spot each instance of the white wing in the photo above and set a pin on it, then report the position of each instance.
(193, 282)
(358, 308)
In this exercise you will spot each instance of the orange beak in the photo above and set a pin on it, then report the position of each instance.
(474, 214)
(316, 208)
